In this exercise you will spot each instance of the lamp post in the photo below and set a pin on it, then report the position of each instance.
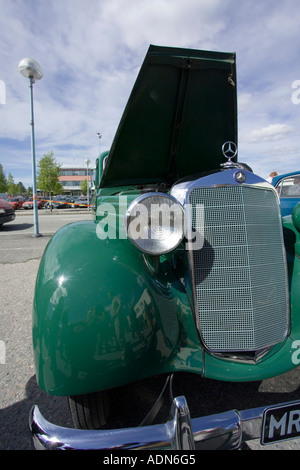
(31, 69)
(87, 162)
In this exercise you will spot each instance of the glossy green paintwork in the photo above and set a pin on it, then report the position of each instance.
(104, 314)
(98, 319)
(292, 242)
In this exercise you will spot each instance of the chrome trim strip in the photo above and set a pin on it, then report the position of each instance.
(243, 357)
(175, 434)
(227, 430)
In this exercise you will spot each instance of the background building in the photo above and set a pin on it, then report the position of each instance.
(72, 176)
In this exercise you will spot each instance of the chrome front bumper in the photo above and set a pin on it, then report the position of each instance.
(226, 430)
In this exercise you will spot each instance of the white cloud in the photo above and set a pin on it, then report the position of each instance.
(271, 132)
(161, 21)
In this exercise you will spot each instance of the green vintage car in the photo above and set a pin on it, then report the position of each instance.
(187, 267)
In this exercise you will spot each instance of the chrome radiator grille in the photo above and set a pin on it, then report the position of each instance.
(239, 274)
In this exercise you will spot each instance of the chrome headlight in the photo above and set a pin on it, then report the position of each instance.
(155, 223)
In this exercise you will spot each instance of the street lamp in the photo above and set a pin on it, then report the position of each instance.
(87, 162)
(31, 69)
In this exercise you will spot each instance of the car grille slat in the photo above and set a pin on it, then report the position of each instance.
(239, 274)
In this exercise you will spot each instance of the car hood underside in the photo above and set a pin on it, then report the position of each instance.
(180, 112)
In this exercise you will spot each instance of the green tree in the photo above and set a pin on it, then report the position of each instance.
(12, 188)
(49, 171)
(83, 187)
(3, 182)
(21, 188)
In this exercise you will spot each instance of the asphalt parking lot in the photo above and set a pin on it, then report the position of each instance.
(20, 254)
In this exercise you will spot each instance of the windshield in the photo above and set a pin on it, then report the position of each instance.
(289, 187)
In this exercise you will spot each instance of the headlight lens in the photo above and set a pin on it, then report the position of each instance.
(155, 223)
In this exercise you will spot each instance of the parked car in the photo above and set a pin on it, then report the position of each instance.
(16, 202)
(288, 187)
(183, 270)
(29, 203)
(81, 202)
(58, 202)
(7, 212)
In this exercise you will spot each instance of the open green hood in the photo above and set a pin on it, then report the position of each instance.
(181, 110)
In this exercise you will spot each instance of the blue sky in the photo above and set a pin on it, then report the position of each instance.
(90, 52)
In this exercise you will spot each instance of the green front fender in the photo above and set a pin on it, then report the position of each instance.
(96, 314)
(104, 317)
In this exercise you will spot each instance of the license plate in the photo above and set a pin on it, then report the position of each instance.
(280, 423)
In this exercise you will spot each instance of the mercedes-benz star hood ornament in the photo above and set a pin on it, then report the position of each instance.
(229, 150)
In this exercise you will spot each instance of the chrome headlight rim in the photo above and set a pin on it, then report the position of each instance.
(149, 247)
